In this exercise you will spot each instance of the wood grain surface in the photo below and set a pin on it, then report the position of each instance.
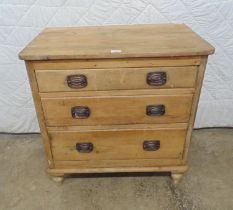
(118, 144)
(160, 40)
(115, 61)
(107, 110)
(116, 79)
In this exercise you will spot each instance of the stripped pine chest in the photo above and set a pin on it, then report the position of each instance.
(116, 98)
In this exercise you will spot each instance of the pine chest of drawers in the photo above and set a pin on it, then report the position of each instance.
(116, 98)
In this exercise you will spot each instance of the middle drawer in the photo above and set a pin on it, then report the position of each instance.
(112, 110)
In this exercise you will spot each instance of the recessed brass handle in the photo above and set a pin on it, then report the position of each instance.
(76, 81)
(156, 78)
(155, 110)
(80, 112)
(151, 145)
(84, 147)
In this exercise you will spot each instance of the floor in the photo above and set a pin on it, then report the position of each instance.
(208, 185)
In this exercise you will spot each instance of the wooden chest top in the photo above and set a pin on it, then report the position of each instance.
(163, 40)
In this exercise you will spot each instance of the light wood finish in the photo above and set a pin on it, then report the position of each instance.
(116, 42)
(95, 164)
(117, 110)
(176, 177)
(116, 79)
(172, 91)
(200, 78)
(118, 144)
(116, 63)
(119, 127)
(115, 60)
(115, 169)
(39, 112)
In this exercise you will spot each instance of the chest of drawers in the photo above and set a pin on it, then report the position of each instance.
(116, 98)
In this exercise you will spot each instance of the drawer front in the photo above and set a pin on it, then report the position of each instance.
(118, 144)
(116, 110)
(116, 79)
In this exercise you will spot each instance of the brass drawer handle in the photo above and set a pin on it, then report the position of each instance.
(156, 78)
(155, 110)
(151, 145)
(76, 81)
(80, 112)
(84, 147)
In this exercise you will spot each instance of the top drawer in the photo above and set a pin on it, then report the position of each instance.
(116, 79)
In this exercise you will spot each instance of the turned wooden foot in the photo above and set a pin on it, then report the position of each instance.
(58, 179)
(176, 177)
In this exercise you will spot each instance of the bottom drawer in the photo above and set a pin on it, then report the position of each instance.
(121, 144)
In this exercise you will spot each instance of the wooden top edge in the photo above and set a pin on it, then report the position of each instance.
(96, 42)
(72, 57)
(116, 26)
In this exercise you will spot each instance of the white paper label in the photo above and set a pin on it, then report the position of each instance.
(115, 51)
